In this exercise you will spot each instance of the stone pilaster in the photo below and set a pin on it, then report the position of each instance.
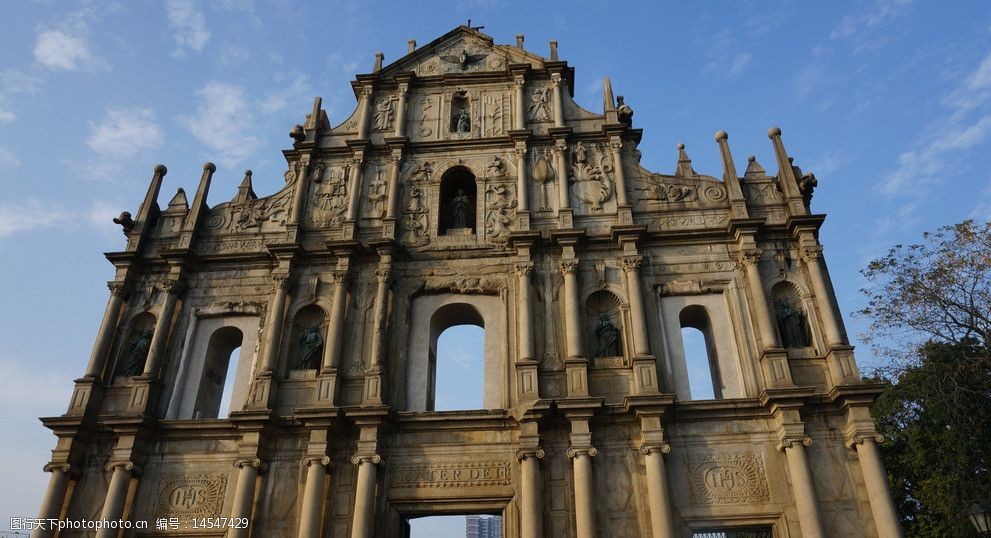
(556, 100)
(623, 210)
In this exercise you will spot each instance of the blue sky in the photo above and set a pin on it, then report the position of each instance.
(887, 101)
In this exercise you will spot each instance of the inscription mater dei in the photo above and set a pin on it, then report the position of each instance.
(455, 475)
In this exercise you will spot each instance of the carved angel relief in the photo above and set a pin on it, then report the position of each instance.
(591, 185)
(501, 204)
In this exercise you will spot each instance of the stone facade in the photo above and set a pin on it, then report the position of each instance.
(468, 187)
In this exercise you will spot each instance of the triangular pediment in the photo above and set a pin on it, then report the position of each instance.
(462, 50)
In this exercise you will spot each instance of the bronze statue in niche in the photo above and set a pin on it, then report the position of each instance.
(460, 114)
(607, 335)
(310, 348)
(137, 352)
(791, 324)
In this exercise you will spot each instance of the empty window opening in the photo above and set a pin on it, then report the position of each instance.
(700, 354)
(216, 387)
(469, 526)
(457, 202)
(457, 352)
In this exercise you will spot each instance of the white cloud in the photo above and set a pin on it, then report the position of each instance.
(293, 88)
(59, 50)
(223, 122)
(725, 57)
(101, 214)
(189, 25)
(7, 158)
(125, 132)
(7, 116)
(28, 215)
(868, 19)
(740, 62)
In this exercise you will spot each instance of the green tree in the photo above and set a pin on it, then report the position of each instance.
(929, 306)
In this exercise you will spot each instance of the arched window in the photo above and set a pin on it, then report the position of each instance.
(307, 338)
(218, 371)
(457, 338)
(457, 202)
(793, 325)
(605, 324)
(134, 351)
(700, 353)
(228, 394)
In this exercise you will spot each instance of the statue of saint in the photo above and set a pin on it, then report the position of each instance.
(580, 156)
(459, 210)
(310, 346)
(462, 123)
(137, 351)
(791, 325)
(608, 337)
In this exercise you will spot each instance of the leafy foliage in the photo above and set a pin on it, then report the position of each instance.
(929, 306)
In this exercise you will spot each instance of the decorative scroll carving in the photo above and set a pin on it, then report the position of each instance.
(727, 479)
(452, 475)
(194, 496)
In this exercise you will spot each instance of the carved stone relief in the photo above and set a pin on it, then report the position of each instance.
(727, 479)
(385, 112)
(194, 496)
(466, 474)
(591, 186)
(376, 195)
(330, 200)
(501, 201)
(539, 108)
(495, 111)
(415, 216)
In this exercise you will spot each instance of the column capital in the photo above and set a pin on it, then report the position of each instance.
(855, 440)
(569, 267)
(520, 149)
(365, 92)
(358, 459)
(339, 275)
(812, 253)
(589, 451)
(560, 146)
(519, 81)
(555, 79)
(750, 256)
(63, 467)
(662, 448)
(253, 462)
(307, 461)
(403, 87)
(282, 280)
(126, 465)
(524, 453)
(632, 263)
(615, 144)
(119, 288)
(523, 269)
(175, 286)
(396, 155)
(788, 442)
(383, 272)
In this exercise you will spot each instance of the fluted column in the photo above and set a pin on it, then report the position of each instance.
(812, 254)
(802, 487)
(750, 259)
(244, 494)
(581, 459)
(661, 520)
(522, 199)
(569, 268)
(401, 109)
(105, 336)
(531, 516)
(395, 158)
(276, 318)
(364, 497)
(631, 266)
(519, 116)
(876, 483)
(561, 167)
(51, 505)
(310, 515)
(556, 100)
(335, 328)
(159, 340)
(615, 145)
(113, 506)
(525, 329)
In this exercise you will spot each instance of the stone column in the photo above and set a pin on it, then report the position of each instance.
(615, 145)
(160, 339)
(310, 515)
(364, 497)
(812, 254)
(661, 520)
(364, 103)
(531, 511)
(354, 196)
(525, 310)
(244, 494)
(105, 336)
(876, 483)
(569, 267)
(51, 506)
(750, 259)
(395, 158)
(584, 491)
(113, 506)
(335, 328)
(401, 109)
(519, 118)
(273, 325)
(522, 200)
(561, 166)
(631, 266)
(802, 487)
(556, 100)
(381, 307)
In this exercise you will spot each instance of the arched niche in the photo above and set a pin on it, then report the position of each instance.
(306, 338)
(206, 358)
(676, 313)
(133, 352)
(792, 319)
(458, 202)
(605, 324)
(434, 313)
